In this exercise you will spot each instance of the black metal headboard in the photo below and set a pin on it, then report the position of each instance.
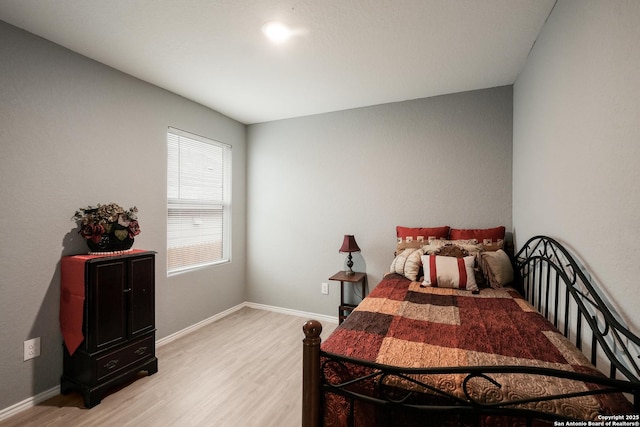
(558, 287)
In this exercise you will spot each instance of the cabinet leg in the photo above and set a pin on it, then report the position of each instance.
(91, 399)
(153, 367)
(65, 387)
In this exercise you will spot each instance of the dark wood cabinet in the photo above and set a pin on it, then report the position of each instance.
(118, 324)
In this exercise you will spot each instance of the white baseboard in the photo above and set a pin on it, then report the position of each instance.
(315, 316)
(195, 326)
(29, 403)
(48, 394)
(291, 312)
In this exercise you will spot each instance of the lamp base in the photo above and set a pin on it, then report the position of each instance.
(349, 271)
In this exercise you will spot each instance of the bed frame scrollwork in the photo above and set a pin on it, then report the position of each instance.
(557, 285)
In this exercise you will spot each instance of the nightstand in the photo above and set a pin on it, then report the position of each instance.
(341, 276)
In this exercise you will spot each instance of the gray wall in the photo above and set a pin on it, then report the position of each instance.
(576, 142)
(438, 161)
(74, 132)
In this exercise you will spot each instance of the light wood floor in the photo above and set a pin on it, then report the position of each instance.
(243, 370)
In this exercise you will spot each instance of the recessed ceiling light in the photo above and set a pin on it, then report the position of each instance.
(277, 32)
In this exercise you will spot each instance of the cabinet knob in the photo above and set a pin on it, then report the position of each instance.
(140, 351)
(127, 290)
(111, 364)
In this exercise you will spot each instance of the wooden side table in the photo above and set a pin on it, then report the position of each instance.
(344, 309)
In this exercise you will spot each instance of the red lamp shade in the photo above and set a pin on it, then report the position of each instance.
(349, 244)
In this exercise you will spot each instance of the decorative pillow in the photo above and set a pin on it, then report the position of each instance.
(452, 250)
(496, 267)
(411, 244)
(490, 246)
(407, 263)
(470, 245)
(416, 237)
(449, 272)
(460, 249)
(480, 234)
(421, 233)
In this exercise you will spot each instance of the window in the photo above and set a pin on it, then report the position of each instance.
(198, 201)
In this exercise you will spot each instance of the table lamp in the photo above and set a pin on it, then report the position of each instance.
(349, 245)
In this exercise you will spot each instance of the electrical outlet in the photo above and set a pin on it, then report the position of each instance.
(325, 288)
(31, 348)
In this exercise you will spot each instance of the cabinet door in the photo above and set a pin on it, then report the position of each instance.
(106, 314)
(142, 303)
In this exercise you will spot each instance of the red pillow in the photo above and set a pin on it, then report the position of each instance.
(480, 234)
(425, 233)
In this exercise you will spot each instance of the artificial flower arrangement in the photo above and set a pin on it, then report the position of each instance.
(99, 223)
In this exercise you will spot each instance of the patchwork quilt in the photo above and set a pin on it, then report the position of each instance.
(403, 324)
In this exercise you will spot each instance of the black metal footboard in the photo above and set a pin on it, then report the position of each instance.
(393, 406)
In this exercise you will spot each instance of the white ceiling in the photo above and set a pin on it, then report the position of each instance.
(350, 53)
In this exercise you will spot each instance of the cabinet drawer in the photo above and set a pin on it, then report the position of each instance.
(125, 357)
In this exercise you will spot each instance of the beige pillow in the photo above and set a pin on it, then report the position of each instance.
(407, 263)
(449, 272)
(496, 267)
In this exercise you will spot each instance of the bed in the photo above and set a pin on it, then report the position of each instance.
(543, 349)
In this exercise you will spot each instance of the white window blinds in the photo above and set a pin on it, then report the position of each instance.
(198, 201)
